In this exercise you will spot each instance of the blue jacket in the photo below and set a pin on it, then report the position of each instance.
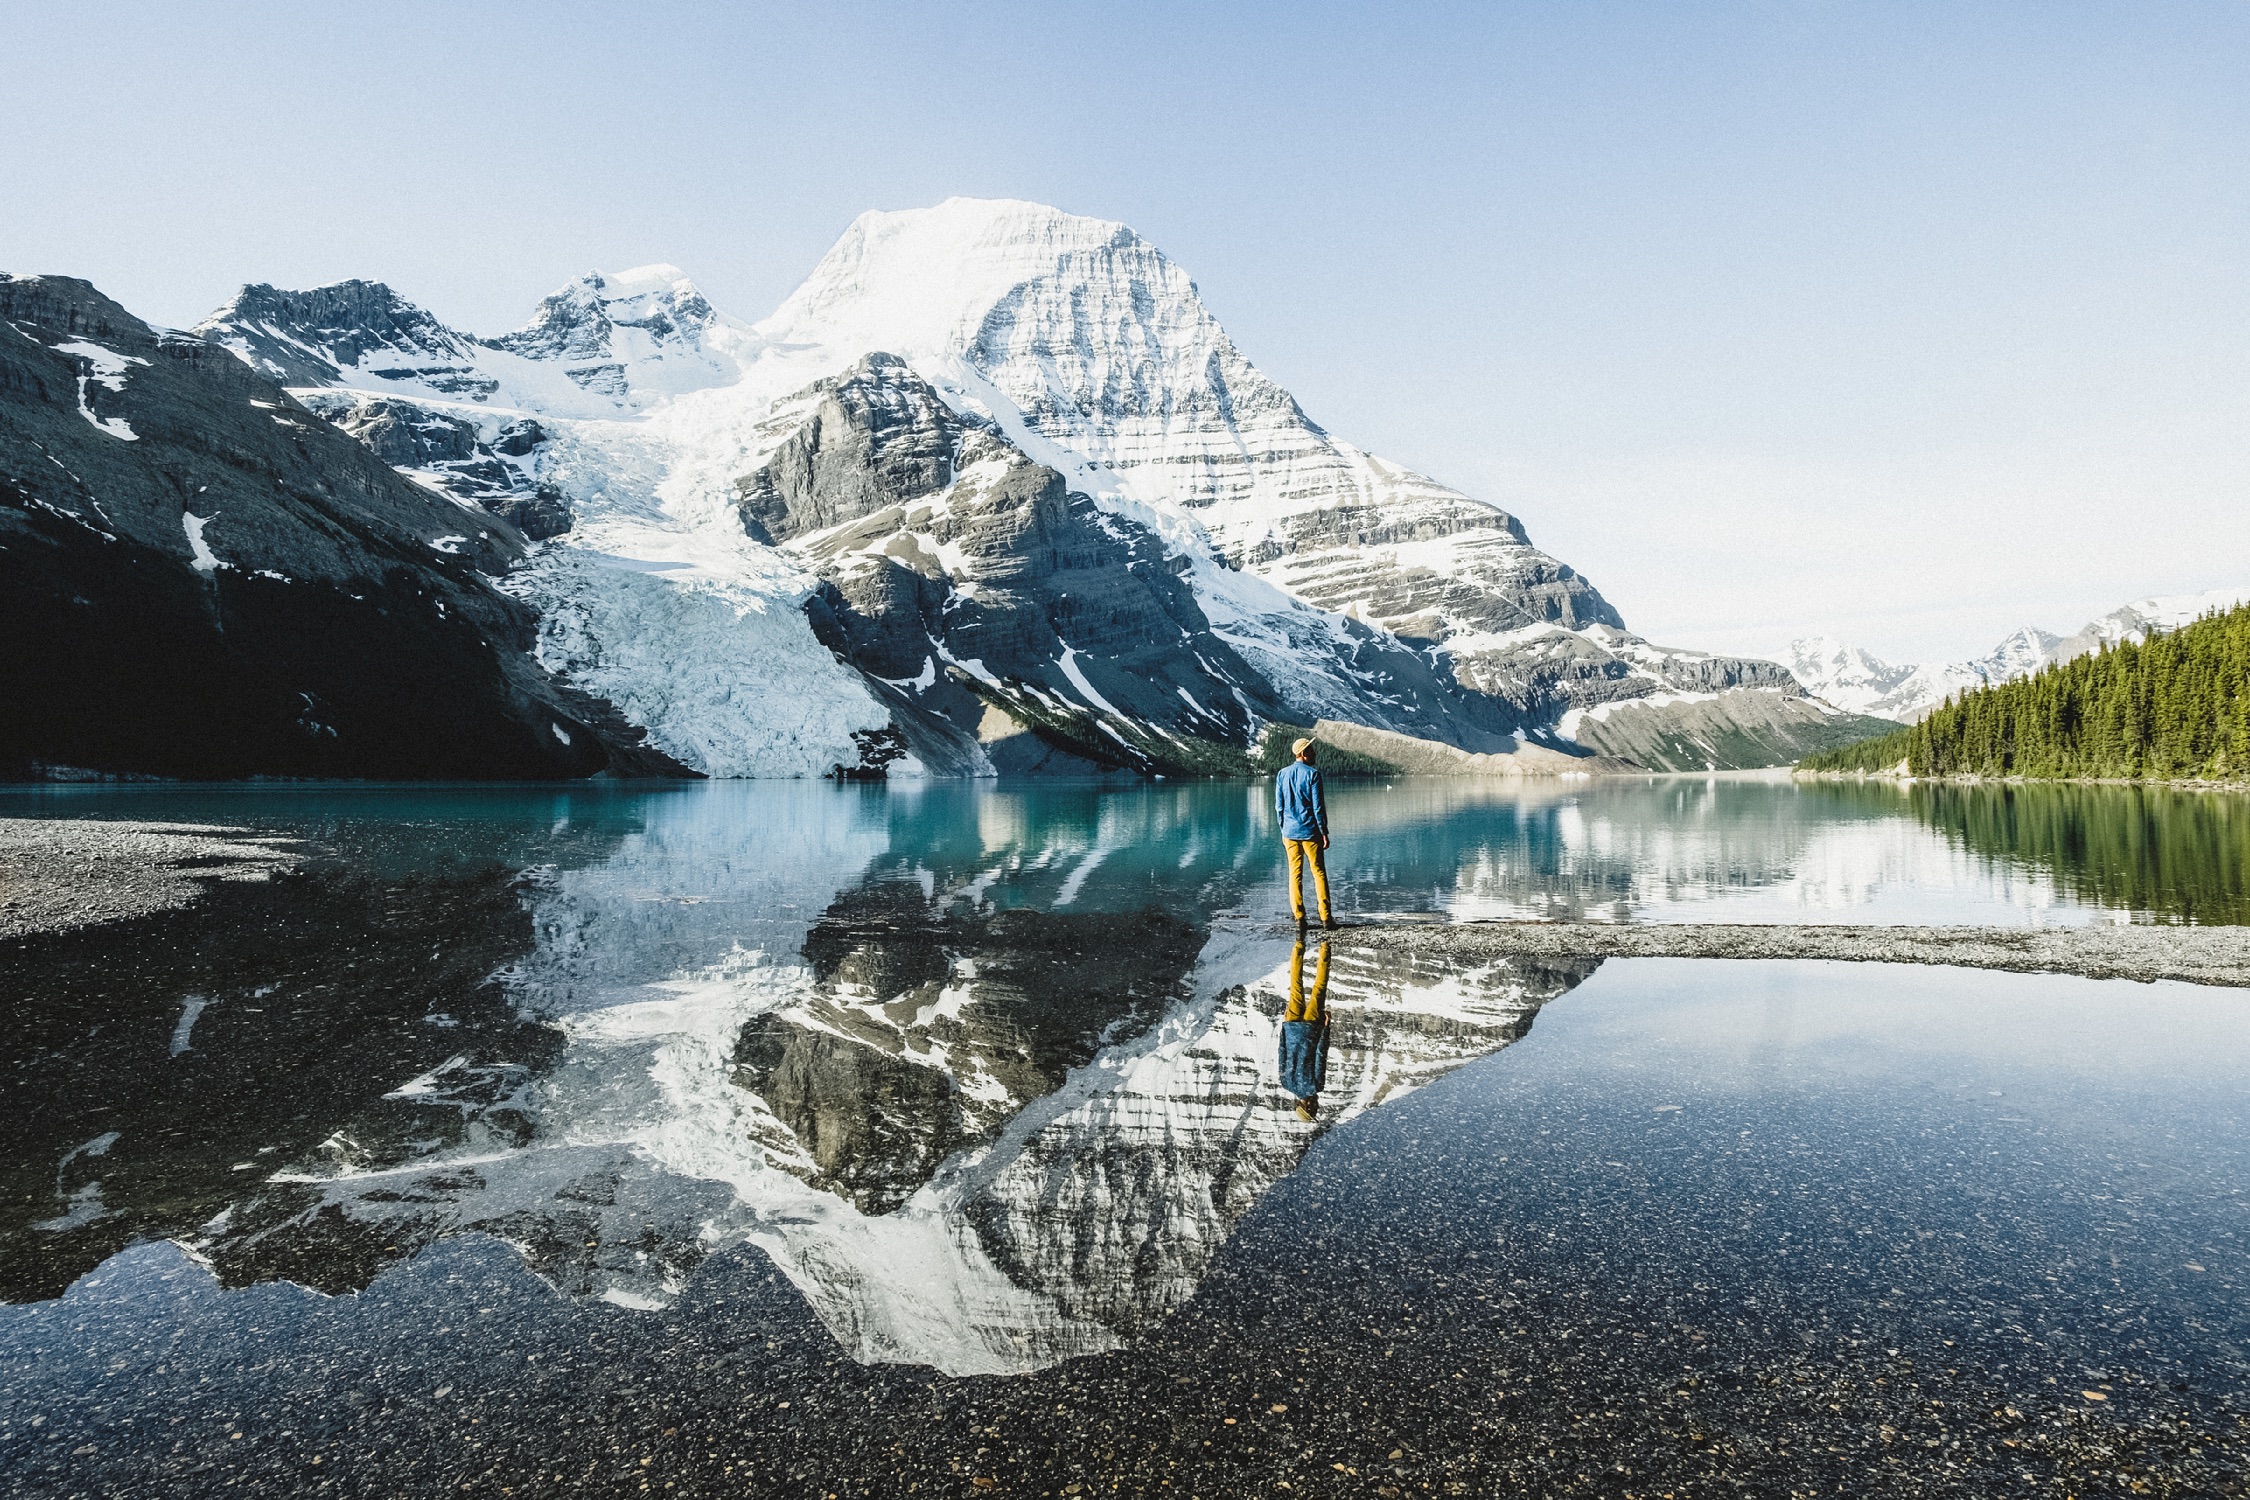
(1304, 1057)
(1298, 802)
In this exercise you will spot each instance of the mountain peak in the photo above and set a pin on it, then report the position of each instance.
(659, 276)
(922, 280)
(306, 338)
(580, 321)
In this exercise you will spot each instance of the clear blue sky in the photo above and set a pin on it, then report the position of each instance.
(1903, 322)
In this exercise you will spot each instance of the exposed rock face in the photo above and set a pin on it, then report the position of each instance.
(199, 577)
(1102, 347)
(1546, 671)
(602, 344)
(878, 436)
(454, 454)
(966, 579)
(1105, 347)
(304, 338)
(1355, 558)
(701, 638)
(406, 436)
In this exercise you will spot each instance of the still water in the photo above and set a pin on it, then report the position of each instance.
(793, 1136)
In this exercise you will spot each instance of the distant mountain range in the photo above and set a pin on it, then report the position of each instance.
(1851, 678)
(992, 491)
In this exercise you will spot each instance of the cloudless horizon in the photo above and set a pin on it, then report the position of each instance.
(1906, 324)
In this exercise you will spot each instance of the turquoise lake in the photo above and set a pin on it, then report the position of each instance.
(812, 1139)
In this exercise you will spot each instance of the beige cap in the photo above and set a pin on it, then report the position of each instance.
(1300, 747)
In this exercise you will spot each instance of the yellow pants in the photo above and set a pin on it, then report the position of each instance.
(1302, 852)
(1304, 1007)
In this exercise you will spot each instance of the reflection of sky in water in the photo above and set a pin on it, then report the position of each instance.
(755, 860)
(1669, 850)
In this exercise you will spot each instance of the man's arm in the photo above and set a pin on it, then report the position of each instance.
(1320, 807)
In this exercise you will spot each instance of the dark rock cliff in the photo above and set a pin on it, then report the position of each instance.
(200, 578)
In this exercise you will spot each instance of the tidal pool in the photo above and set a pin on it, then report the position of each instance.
(816, 1139)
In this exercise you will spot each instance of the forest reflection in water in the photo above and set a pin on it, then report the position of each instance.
(2157, 852)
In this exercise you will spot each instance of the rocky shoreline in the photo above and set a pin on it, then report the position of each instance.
(61, 874)
(2142, 952)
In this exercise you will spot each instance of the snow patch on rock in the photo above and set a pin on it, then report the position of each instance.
(109, 369)
(200, 555)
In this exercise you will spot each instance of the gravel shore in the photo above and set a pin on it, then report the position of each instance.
(57, 874)
(2198, 955)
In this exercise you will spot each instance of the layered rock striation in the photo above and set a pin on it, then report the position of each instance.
(988, 601)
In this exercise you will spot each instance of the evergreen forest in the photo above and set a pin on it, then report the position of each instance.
(2174, 707)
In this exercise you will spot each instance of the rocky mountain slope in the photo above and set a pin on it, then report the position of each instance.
(1004, 464)
(1852, 678)
(200, 577)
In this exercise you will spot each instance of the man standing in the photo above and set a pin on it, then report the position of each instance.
(1303, 809)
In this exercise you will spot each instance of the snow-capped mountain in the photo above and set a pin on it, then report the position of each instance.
(1853, 679)
(2138, 620)
(602, 345)
(200, 578)
(1003, 469)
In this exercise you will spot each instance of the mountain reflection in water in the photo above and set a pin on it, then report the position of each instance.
(991, 1074)
(982, 1141)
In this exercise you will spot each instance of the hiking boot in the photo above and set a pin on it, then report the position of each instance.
(1328, 923)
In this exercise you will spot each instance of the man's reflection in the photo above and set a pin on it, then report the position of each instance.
(1304, 1033)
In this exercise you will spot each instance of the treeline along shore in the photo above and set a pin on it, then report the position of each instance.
(2175, 707)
